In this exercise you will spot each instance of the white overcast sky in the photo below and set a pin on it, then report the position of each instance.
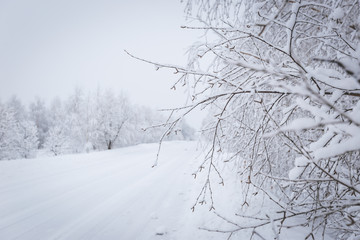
(48, 47)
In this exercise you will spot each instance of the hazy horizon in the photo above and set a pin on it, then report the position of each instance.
(49, 48)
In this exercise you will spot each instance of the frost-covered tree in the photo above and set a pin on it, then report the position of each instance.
(39, 115)
(8, 132)
(58, 141)
(112, 118)
(75, 107)
(27, 139)
(96, 121)
(19, 109)
(56, 112)
(18, 137)
(282, 84)
(58, 137)
(83, 122)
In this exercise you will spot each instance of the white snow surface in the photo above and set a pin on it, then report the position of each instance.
(338, 13)
(115, 195)
(102, 195)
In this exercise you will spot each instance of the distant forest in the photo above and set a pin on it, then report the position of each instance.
(81, 123)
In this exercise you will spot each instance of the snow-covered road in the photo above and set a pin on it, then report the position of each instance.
(117, 195)
(103, 195)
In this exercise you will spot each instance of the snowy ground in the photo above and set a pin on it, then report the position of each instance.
(108, 195)
(104, 195)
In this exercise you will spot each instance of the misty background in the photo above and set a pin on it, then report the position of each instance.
(49, 48)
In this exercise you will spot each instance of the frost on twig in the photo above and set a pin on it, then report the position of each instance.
(282, 88)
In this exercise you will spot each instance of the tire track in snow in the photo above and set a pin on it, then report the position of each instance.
(105, 208)
(135, 203)
(39, 208)
(115, 205)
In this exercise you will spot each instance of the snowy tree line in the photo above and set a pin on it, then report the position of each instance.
(282, 85)
(82, 123)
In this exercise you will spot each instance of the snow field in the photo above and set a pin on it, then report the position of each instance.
(117, 195)
(103, 195)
